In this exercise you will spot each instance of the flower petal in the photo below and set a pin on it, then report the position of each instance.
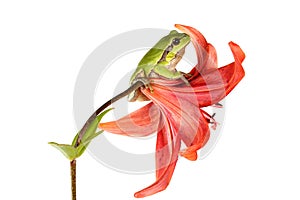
(215, 85)
(185, 116)
(167, 146)
(212, 86)
(196, 141)
(196, 36)
(206, 53)
(141, 122)
(234, 72)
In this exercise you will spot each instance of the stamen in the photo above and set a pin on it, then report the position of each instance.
(210, 119)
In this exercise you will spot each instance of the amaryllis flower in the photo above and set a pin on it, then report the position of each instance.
(175, 113)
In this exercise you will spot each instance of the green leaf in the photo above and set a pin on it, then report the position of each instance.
(72, 152)
(75, 139)
(83, 145)
(67, 150)
(91, 130)
(90, 133)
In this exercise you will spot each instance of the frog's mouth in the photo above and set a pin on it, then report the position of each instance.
(177, 58)
(180, 53)
(166, 52)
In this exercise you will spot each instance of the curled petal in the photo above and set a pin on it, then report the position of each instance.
(210, 83)
(212, 86)
(184, 115)
(206, 53)
(233, 78)
(212, 60)
(141, 122)
(196, 36)
(198, 140)
(167, 148)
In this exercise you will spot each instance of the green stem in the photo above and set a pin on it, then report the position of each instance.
(73, 178)
(132, 88)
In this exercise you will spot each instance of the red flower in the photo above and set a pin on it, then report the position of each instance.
(175, 109)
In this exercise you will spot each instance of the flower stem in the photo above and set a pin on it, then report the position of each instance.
(73, 178)
(132, 88)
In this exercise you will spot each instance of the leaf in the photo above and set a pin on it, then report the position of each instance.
(68, 150)
(72, 152)
(90, 134)
(75, 139)
(83, 145)
(91, 130)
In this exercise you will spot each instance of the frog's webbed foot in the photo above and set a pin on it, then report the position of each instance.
(182, 76)
(145, 81)
(185, 80)
(187, 74)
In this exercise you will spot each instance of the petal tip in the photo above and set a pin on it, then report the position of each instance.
(138, 195)
(181, 27)
(178, 26)
(237, 51)
(192, 156)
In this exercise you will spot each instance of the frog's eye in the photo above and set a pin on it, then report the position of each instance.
(176, 41)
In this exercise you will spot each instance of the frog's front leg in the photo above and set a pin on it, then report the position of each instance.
(163, 71)
(145, 81)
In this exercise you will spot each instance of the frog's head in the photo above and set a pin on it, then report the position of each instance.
(172, 47)
(167, 52)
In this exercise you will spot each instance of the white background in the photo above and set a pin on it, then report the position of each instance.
(42, 48)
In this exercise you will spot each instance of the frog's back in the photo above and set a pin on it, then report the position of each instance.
(150, 59)
(147, 62)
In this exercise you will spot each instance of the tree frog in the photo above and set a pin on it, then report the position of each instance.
(160, 61)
